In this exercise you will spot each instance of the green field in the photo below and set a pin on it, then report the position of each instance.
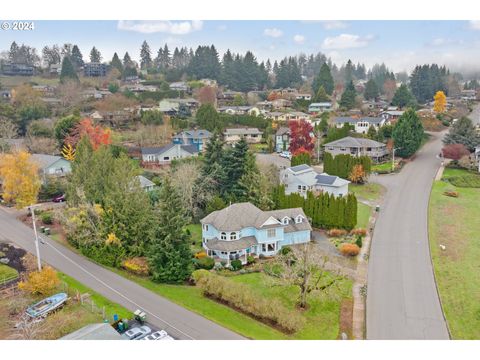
(196, 234)
(455, 223)
(363, 215)
(7, 273)
(12, 81)
(382, 168)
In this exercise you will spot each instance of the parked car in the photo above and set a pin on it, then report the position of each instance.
(59, 198)
(137, 333)
(286, 155)
(158, 335)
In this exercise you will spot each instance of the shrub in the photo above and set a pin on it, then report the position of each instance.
(42, 282)
(358, 232)
(336, 232)
(349, 249)
(47, 218)
(218, 266)
(197, 275)
(285, 250)
(359, 241)
(466, 181)
(241, 297)
(136, 265)
(250, 259)
(200, 254)
(236, 264)
(206, 263)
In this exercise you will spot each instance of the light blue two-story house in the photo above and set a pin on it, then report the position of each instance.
(242, 229)
(199, 138)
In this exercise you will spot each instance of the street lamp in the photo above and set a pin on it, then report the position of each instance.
(37, 248)
(393, 158)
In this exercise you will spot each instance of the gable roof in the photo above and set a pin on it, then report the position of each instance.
(350, 141)
(194, 134)
(350, 120)
(243, 215)
(308, 176)
(192, 149)
(242, 131)
(44, 160)
(283, 131)
(144, 182)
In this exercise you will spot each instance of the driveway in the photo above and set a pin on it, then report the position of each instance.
(164, 314)
(402, 299)
(275, 159)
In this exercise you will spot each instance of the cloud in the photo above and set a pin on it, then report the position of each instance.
(222, 27)
(346, 41)
(169, 27)
(443, 42)
(474, 24)
(273, 32)
(334, 24)
(299, 39)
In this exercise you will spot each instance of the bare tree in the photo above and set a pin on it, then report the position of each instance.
(8, 130)
(304, 266)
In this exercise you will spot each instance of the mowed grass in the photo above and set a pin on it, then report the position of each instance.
(196, 235)
(12, 81)
(7, 273)
(323, 314)
(363, 215)
(368, 191)
(455, 223)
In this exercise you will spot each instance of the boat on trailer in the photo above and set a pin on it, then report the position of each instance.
(47, 305)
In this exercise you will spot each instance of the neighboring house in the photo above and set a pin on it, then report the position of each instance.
(303, 178)
(307, 97)
(358, 147)
(242, 229)
(392, 115)
(361, 125)
(251, 135)
(146, 184)
(95, 69)
(164, 155)
(5, 94)
(172, 106)
(316, 108)
(298, 115)
(240, 110)
(281, 103)
(282, 139)
(15, 69)
(180, 86)
(477, 156)
(199, 138)
(55, 69)
(264, 105)
(50, 165)
(100, 331)
(277, 116)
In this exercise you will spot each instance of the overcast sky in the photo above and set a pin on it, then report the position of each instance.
(400, 44)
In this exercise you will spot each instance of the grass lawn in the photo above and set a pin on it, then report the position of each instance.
(382, 168)
(363, 214)
(455, 222)
(368, 191)
(322, 316)
(11, 81)
(196, 232)
(7, 273)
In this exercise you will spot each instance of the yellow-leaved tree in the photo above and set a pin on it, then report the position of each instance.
(440, 102)
(43, 282)
(20, 180)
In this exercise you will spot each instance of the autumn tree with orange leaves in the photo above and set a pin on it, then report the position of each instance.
(21, 182)
(96, 134)
(301, 137)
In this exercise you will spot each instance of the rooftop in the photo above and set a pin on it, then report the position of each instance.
(355, 142)
(192, 149)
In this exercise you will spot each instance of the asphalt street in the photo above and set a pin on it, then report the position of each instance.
(181, 323)
(402, 299)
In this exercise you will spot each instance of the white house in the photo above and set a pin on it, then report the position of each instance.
(307, 97)
(164, 155)
(240, 110)
(361, 125)
(251, 135)
(303, 178)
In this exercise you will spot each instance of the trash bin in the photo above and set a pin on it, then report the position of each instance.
(377, 208)
(42, 229)
(121, 327)
(47, 231)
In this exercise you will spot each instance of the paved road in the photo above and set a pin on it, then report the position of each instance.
(178, 321)
(402, 299)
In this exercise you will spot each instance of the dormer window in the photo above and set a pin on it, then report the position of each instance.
(298, 219)
(233, 236)
(285, 220)
(223, 236)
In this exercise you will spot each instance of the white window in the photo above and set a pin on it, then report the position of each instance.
(268, 247)
(233, 236)
(285, 220)
(298, 219)
(271, 233)
(223, 236)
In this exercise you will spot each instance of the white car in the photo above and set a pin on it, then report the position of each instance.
(137, 333)
(158, 335)
(286, 154)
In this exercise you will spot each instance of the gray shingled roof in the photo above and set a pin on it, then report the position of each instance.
(242, 215)
(282, 131)
(233, 245)
(350, 120)
(144, 182)
(192, 149)
(301, 167)
(242, 131)
(355, 142)
(194, 134)
(44, 160)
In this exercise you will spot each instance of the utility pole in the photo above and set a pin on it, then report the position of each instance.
(37, 248)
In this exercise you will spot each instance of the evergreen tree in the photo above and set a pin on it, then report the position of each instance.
(463, 132)
(169, 255)
(145, 56)
(77, 57)
(325, 79)
(347, 100)
(208, 118)
(349, 70)
(408, 133)
(95, 55)
(117, 63)
(371, 90)
(372, 132)
(68, 72)
(403, 97)
(321, 95)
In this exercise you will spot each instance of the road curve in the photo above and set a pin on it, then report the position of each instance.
(402, 299)
(181, 323)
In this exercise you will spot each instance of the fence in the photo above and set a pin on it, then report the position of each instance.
(4, 280)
